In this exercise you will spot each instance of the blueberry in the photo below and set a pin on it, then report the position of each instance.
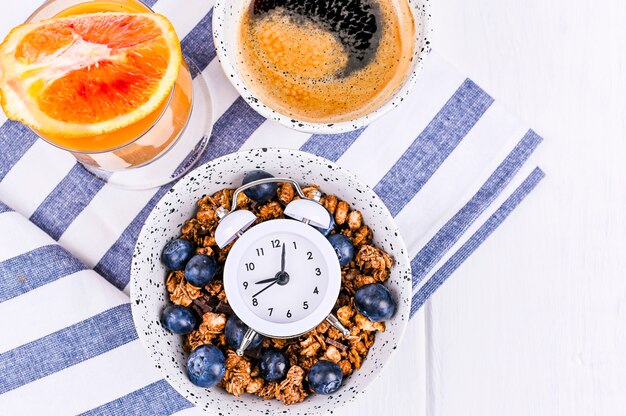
(343, 247)
(273, 365)
(330, 228)
(375, 302)
(176, 253)
(178, 319)
(325, 377)
(235, 330)
(200, 270)
(263, 192)
(206, 366)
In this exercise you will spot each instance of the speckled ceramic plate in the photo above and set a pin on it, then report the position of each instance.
(149, 296)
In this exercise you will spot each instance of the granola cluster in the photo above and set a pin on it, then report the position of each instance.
(209, 303)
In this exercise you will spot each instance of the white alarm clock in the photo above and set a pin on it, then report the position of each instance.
(282, 277)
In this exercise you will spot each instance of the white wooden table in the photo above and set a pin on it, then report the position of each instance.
(535, 322)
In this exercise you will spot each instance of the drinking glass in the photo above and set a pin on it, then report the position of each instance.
(157, 149)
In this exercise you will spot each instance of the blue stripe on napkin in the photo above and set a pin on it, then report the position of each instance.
(433, 145)
(232, 130)
(66, 201)
(198, 44)
(318, 144)
(158, 398)
(15, 140)
(69, 346)
(4, 208)
(450, 233)
(476, 240)
(36, 268)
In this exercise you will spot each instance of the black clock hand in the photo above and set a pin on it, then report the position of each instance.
(265, 288)
(265, 281)
(282, 259)
(281, 276)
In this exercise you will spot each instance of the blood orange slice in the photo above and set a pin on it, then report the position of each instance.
(88, 74)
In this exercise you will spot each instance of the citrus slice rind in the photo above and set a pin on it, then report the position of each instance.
(88, 74)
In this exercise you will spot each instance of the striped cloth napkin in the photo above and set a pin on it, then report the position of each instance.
(450, 164)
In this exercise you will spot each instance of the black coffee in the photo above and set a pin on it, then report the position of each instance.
(356, 24)
(326, 60)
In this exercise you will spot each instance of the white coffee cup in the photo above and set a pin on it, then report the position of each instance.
(227, 15)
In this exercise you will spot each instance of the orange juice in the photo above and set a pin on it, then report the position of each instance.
(144, 140)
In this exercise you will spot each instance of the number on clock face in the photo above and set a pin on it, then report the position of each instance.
(275, 300)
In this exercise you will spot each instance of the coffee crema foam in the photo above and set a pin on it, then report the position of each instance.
(324, 64)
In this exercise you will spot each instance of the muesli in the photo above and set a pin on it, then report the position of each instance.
(276, 368)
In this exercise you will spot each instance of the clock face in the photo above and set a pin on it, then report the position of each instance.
(279, 295)
(282, 278)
